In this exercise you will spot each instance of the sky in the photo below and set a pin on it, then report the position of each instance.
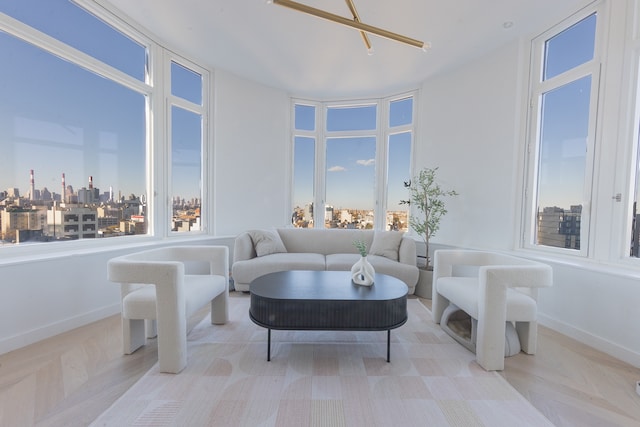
(56, 117)
(565, 119)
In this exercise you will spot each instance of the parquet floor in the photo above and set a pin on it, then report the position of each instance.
(70, 379)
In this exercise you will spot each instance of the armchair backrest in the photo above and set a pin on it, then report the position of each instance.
(142, 267)
(522, 275)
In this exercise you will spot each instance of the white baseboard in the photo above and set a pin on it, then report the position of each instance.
(598, 343)
(18, 341)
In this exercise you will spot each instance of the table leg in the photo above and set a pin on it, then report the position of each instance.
(388, 345)
(268, 345)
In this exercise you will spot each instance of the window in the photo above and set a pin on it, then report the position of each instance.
(350, 153)
(353, 165)
(74, 124)
(634, 220)
(400, 142)
(304, 151)
(186, 148)
(564, 95)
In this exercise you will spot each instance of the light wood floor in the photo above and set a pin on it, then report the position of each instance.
(70, 379)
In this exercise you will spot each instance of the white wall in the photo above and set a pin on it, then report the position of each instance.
(467, 130)
(470, 121)
(252, 161)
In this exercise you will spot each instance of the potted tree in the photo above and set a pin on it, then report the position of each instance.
(426, 195)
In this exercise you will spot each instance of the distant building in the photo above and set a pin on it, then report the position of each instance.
(87, 196)
(72, 222)
(13, 220)
(559, 227)
(45, 195)
(328, 213)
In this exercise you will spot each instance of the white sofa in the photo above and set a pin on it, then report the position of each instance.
(493, 289)
(259, 252)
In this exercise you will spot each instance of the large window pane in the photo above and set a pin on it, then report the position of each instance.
(398, 172)
(562, 166)
(303, 173)
(570, 48)
(350, 182)
(186, 173)
(351, 118)
(83, 137)
(72, 25)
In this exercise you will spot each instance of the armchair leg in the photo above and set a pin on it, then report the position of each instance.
(528, 334)
(151, 328)
(438, 305)
(133, 335)
(220, 309)
(490, 346)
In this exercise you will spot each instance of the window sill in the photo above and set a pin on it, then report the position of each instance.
(626, 268)
(28, 253)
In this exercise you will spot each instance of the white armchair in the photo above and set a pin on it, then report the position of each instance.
(492, 288)
(155, 288)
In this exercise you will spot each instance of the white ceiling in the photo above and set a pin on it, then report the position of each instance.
(311, 57)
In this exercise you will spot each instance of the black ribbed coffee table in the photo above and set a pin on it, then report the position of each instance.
(327, 300)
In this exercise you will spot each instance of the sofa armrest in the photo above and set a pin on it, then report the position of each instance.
(407, 251)
(243, 248)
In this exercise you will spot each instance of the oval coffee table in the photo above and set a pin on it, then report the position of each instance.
(327, 300)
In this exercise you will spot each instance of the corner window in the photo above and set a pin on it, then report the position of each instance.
(353, 165)
(79, 143)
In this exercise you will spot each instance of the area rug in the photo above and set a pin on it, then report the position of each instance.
(323, 378)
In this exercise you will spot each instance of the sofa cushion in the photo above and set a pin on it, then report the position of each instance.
(323, 241)
(386, 244)
(382, 265)
(341, 262)
(246, 271)
(267, 242)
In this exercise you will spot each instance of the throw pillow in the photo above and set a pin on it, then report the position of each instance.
(266, 242)
(386, 244)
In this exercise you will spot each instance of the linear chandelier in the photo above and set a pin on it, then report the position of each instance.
(353, 23)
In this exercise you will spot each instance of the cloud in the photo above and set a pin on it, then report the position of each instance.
(369, 162)
(337, 169)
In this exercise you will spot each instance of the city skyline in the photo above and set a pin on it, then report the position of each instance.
(63, 186)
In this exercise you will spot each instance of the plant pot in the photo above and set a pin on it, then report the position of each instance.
(424, 285)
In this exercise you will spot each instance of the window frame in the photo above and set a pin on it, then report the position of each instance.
(536, 90)
(382, 133)
(203, 111)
